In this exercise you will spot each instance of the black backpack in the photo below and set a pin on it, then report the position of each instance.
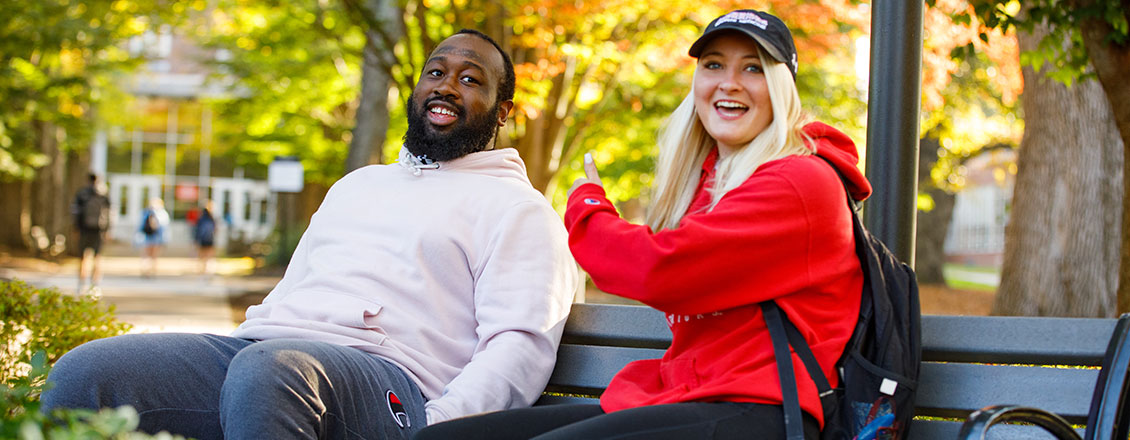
(95, 212)
(879, 366)
(151, 223)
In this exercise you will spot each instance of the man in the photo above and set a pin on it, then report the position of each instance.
(421, 291)
(91, 213)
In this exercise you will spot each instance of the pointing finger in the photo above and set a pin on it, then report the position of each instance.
(590, 168)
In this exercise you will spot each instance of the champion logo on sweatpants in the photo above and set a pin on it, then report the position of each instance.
(397, 410)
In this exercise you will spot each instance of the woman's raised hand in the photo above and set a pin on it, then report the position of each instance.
(591, 175)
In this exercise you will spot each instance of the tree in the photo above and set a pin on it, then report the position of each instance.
(58, 61)
(1061, 245)
(381, 22)
(970, 88)
(1085, 38)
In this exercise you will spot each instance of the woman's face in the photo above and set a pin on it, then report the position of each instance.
(731, 95)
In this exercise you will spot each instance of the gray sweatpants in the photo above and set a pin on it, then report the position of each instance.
(214, 387)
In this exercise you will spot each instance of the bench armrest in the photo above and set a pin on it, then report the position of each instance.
(976, 427)
(1110, 412)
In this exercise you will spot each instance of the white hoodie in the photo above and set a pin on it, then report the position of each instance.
(460, 275)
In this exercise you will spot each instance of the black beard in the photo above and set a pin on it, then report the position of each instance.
(467, 136)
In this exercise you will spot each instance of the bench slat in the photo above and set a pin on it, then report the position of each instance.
(589, 368)
(1018, 340)
(993, 339)
(955, 390)
(617, 325)
(549, 399)
(948, 430)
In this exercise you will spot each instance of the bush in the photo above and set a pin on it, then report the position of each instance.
(45, 320)
(23, 420)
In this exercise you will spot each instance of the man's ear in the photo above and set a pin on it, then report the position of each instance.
(504, 108)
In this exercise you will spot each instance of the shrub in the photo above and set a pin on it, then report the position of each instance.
(23, 420)
(43, 319)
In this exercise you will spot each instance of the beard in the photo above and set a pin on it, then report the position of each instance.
(467, 136)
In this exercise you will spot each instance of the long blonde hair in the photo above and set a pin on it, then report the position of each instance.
(684, 145)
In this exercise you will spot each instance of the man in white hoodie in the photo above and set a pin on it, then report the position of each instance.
(421, 291)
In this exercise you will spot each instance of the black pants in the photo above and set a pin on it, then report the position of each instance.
(693, 420)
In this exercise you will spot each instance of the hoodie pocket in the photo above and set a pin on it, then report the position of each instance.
(328, 307)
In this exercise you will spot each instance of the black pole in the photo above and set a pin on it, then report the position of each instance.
(894, 94)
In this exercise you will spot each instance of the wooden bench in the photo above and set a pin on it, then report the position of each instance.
(969, 363)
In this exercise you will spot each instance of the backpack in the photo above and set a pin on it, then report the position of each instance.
(151, 223)
(95, 212)
(205, 230)
(880, 364)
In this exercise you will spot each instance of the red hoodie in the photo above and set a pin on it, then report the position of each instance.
(784, 234)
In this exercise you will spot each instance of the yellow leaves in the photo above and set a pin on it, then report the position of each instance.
(246, 43)
(71, 61)
(135, 26)
(542, 70)
(68, 107)
(122, 6)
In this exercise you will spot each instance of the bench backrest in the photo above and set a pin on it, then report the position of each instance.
(968, 363)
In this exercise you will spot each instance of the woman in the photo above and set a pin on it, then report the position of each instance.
(151, 233)
(743, 212)
(204, 235)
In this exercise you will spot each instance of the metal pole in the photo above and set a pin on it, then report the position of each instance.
(894, 94)
(171, 140)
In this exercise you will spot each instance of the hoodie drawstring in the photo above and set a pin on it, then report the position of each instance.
(417, 164)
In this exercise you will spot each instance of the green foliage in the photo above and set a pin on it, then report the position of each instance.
(1065, 63)
(58, 61)
(974, 118)
(45, 320)
(22, 419)
(295, 68)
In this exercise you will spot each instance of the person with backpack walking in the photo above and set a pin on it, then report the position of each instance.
(151, 232)
(91, 213)
(204, 235)
(745, 210)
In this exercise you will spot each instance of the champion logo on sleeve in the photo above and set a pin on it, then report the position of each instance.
(592, 201)
(397, 410)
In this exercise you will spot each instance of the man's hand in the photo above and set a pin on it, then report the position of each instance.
(591, 176)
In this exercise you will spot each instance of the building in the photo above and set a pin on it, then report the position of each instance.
(981, 210)
(165, 149)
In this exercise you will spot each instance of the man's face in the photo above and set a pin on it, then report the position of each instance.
(454, 109)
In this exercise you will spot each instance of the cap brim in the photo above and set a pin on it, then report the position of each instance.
(700, 44)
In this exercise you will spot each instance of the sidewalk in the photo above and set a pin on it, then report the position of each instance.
(176, 299)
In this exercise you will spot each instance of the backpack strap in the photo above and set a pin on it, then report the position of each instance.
(784, 334)
(794, 425)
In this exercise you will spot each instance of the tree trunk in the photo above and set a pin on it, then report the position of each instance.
(50, 205)
(13, 212)
(1062, 242)
(1112, 64)
(371, 128)
(932, 225)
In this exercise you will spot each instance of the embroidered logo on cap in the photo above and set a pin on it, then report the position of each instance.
(743, 18)
(397, 410)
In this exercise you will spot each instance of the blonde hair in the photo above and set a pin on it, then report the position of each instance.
(684, 145)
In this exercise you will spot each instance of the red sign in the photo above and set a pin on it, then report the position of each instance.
(186, 192)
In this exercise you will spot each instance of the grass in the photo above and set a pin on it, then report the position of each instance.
(953, 274)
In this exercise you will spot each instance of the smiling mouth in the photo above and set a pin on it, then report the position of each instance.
(730, 108)
(441, 115)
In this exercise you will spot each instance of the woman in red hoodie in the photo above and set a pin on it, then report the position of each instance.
(743, 212)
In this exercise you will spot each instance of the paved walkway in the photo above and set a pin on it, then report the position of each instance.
(177, 299)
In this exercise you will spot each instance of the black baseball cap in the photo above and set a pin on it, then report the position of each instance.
(768, 30)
